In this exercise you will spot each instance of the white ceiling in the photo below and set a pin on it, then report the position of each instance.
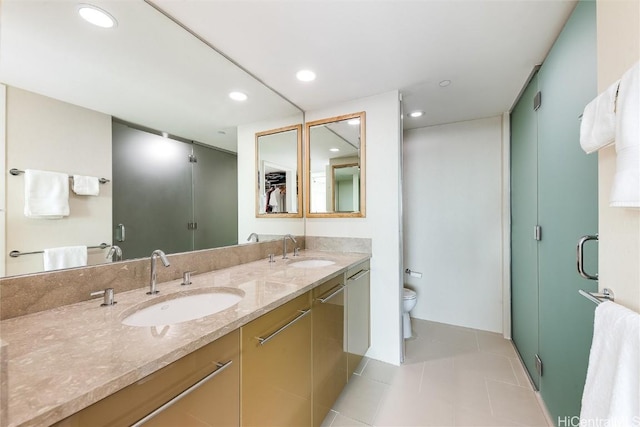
(151, 72)
(487, 48)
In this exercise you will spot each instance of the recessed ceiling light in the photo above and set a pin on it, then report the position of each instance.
(306, 75)
(445, 83)
(354, 122)
(238, 96)
(416, 114)
(335, 150)
(96, 16)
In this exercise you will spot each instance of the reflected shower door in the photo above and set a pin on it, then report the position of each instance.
(151, 193)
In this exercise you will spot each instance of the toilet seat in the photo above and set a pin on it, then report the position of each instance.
(409, 294)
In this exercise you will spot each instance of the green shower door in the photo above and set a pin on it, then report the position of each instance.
(554, 186)
(567, 210)
(524, 218)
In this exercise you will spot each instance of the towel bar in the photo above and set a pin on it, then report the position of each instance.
(16, 172)
(15, 254)
(606, 295)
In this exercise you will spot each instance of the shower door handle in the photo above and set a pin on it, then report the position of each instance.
(580, 256)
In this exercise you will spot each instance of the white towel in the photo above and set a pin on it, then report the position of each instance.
(46, 194)
(86, 185)
(65, 257)
(611, 394)
(626, 183)
(598, 125)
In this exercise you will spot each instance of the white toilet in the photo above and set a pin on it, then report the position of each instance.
(409, 299)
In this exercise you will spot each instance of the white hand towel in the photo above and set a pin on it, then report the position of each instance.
(65, 257)
(86, 185)
(598, 125)
(46, 194)
(611, 394)
(626, 183)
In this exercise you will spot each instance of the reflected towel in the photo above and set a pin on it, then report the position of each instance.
(626, 183)
(65, 257)
(46, 194)
(598, 125)
(612, 390)
(86, 185)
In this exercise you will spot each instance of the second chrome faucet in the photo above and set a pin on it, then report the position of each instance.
(152, 282)
(284, 244)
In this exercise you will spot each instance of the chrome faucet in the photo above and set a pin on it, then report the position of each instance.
(152, 283)
(284, 244)
(252, 235)
(115, 250)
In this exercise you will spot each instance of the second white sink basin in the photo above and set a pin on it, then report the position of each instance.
(183, 308)
(312, 263)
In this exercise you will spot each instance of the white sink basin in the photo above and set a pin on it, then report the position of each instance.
(312, 263)
(183, 308)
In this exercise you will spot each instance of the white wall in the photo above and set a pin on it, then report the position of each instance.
(247, 179)
(43, 133)
(619, 228)
(382, 223)
(453, 228)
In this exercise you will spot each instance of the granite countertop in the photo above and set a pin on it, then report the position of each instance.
(63, 360)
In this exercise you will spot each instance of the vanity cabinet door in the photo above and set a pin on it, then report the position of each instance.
(214, 403)
(276, 366)
(329, 349)
(358, 316)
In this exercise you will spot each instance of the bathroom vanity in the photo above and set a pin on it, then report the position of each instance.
(280, 356)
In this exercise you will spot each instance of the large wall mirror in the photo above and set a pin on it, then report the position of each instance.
(335, 167)
(278, 165)
(70, 87)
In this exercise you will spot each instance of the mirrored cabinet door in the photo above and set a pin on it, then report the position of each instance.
(278, 165)
(335, 167)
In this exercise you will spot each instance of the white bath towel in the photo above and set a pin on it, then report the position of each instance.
(65, 257)
(598, 125)
(626, 183)
(46, 194)
(611, 394)
(86, 185)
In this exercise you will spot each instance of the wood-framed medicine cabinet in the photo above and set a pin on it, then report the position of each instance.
(335, 167)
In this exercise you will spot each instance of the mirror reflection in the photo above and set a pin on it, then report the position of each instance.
(278, 158)
(67, 81)
(335, 150)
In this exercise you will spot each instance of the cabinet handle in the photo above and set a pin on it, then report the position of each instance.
(358, 275)
(335, 292)
(221, 367)
(263, 341)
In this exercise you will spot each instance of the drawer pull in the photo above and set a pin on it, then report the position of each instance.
(333, 293)
(358, 275)
(263, 341)
(221, 367)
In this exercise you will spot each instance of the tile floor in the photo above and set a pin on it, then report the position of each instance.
(452, 376)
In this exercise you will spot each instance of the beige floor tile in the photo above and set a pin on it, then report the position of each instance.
(360, 399)
(380, 371)
(515, 403)
(329, 419)
(408, 377)
(490, 342)
(342, 421)
(487, 365)
(407, 409)
(361, 366)
(521, 375)
(465, 417)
